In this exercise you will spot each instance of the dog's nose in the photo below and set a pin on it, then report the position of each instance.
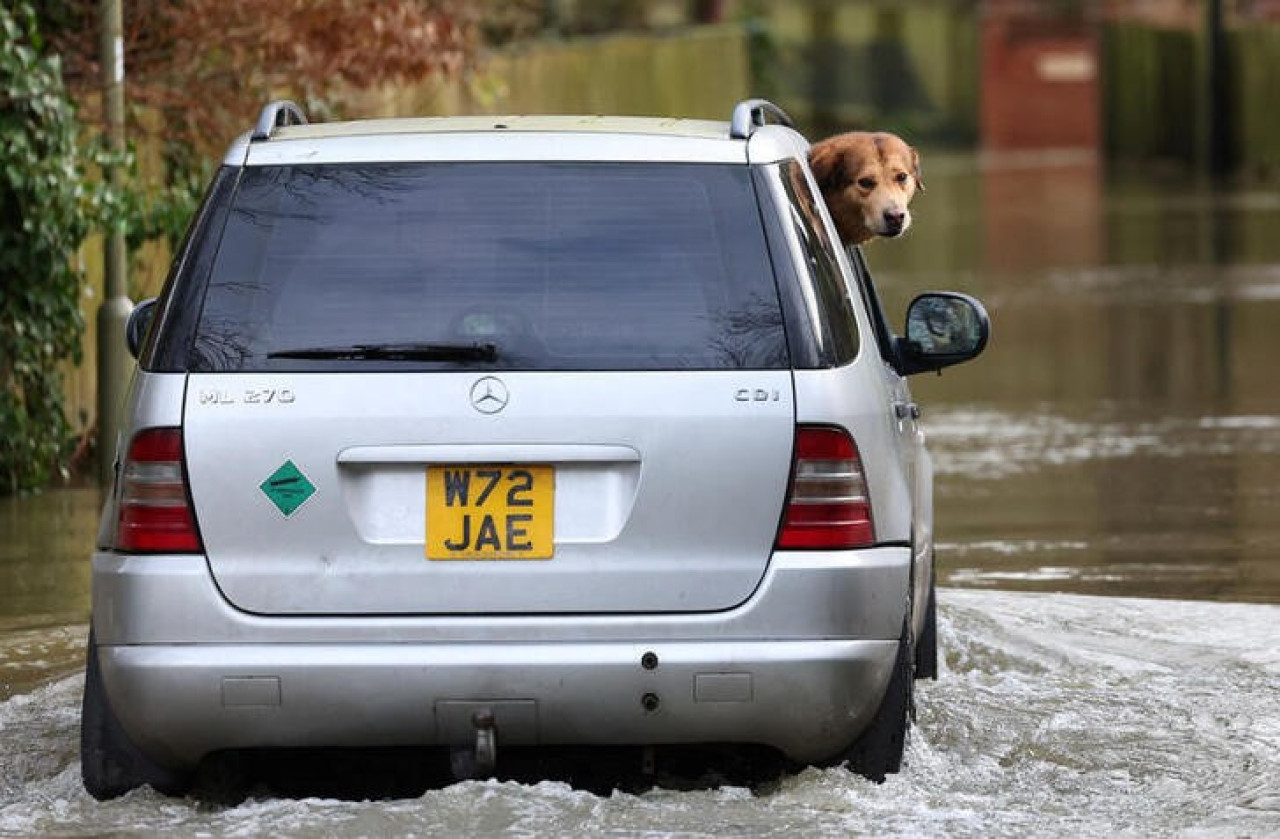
(893, 221)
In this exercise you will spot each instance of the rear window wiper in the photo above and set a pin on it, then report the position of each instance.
(396, 352)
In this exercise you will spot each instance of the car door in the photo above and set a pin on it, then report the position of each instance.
(913, 455)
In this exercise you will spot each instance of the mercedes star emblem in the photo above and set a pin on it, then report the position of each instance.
(489, 395)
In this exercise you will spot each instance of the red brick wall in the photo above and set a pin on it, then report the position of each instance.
(1039, 84)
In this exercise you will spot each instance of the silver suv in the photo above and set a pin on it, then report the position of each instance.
(484, 433)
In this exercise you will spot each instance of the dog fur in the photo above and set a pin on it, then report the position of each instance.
(867, 179)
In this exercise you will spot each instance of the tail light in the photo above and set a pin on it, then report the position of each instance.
(828, 506)
(154, 510)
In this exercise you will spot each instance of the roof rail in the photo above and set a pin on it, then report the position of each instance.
(275, 115)
(750, 114)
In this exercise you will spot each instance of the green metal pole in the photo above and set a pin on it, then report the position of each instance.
(114, 363)
(1215, 117)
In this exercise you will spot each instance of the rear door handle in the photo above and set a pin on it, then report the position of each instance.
(905, 410)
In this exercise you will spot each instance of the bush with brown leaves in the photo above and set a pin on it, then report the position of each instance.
(207, 66)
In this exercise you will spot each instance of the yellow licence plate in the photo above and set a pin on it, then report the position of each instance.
(490, 512)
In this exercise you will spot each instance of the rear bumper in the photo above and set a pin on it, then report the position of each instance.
(801, 666)
(807, 699)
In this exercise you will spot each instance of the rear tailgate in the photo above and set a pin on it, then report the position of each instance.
(435, 388)
(665, 489)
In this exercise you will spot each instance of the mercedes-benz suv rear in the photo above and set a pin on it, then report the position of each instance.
(533, 431)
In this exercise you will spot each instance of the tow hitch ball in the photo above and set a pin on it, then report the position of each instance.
(479, 760)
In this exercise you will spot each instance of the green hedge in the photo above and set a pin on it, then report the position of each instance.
(1154, 90)
(1254, 57)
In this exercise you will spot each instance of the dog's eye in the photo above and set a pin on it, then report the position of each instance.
(867, 183)
(901, 178)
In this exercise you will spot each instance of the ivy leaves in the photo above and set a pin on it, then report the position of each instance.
(47, 206)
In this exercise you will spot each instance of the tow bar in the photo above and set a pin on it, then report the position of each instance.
(479, 760)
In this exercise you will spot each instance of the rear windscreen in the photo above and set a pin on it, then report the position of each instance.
(511, 266)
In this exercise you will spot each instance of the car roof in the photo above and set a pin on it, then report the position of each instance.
(662, 126)
(513, 138)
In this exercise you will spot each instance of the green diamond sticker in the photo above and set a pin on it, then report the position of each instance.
(287, 488)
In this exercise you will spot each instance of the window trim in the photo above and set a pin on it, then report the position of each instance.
(886, 340)
(811, 327)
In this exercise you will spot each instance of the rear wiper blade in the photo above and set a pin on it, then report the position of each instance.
(396, 352)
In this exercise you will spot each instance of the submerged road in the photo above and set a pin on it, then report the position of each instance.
(1055, 715)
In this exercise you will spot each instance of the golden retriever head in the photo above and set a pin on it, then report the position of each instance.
(867, 180)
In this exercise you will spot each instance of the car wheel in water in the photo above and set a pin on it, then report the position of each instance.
(110, 764)
(927, 643)
(878, 750)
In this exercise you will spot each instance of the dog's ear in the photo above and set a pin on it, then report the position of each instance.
(828, 165)
(915, 168)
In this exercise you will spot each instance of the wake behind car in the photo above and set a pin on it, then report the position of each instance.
(531, 431)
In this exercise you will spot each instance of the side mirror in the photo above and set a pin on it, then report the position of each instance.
(943, 328)
(135, 329)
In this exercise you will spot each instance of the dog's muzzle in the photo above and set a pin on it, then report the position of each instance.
(896, 222)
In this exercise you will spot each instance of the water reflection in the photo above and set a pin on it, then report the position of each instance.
(45, 541)
(1120, 434)
(1179, 506)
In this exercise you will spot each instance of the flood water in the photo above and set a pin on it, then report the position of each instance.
(1108, 525)
(1121, 435)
